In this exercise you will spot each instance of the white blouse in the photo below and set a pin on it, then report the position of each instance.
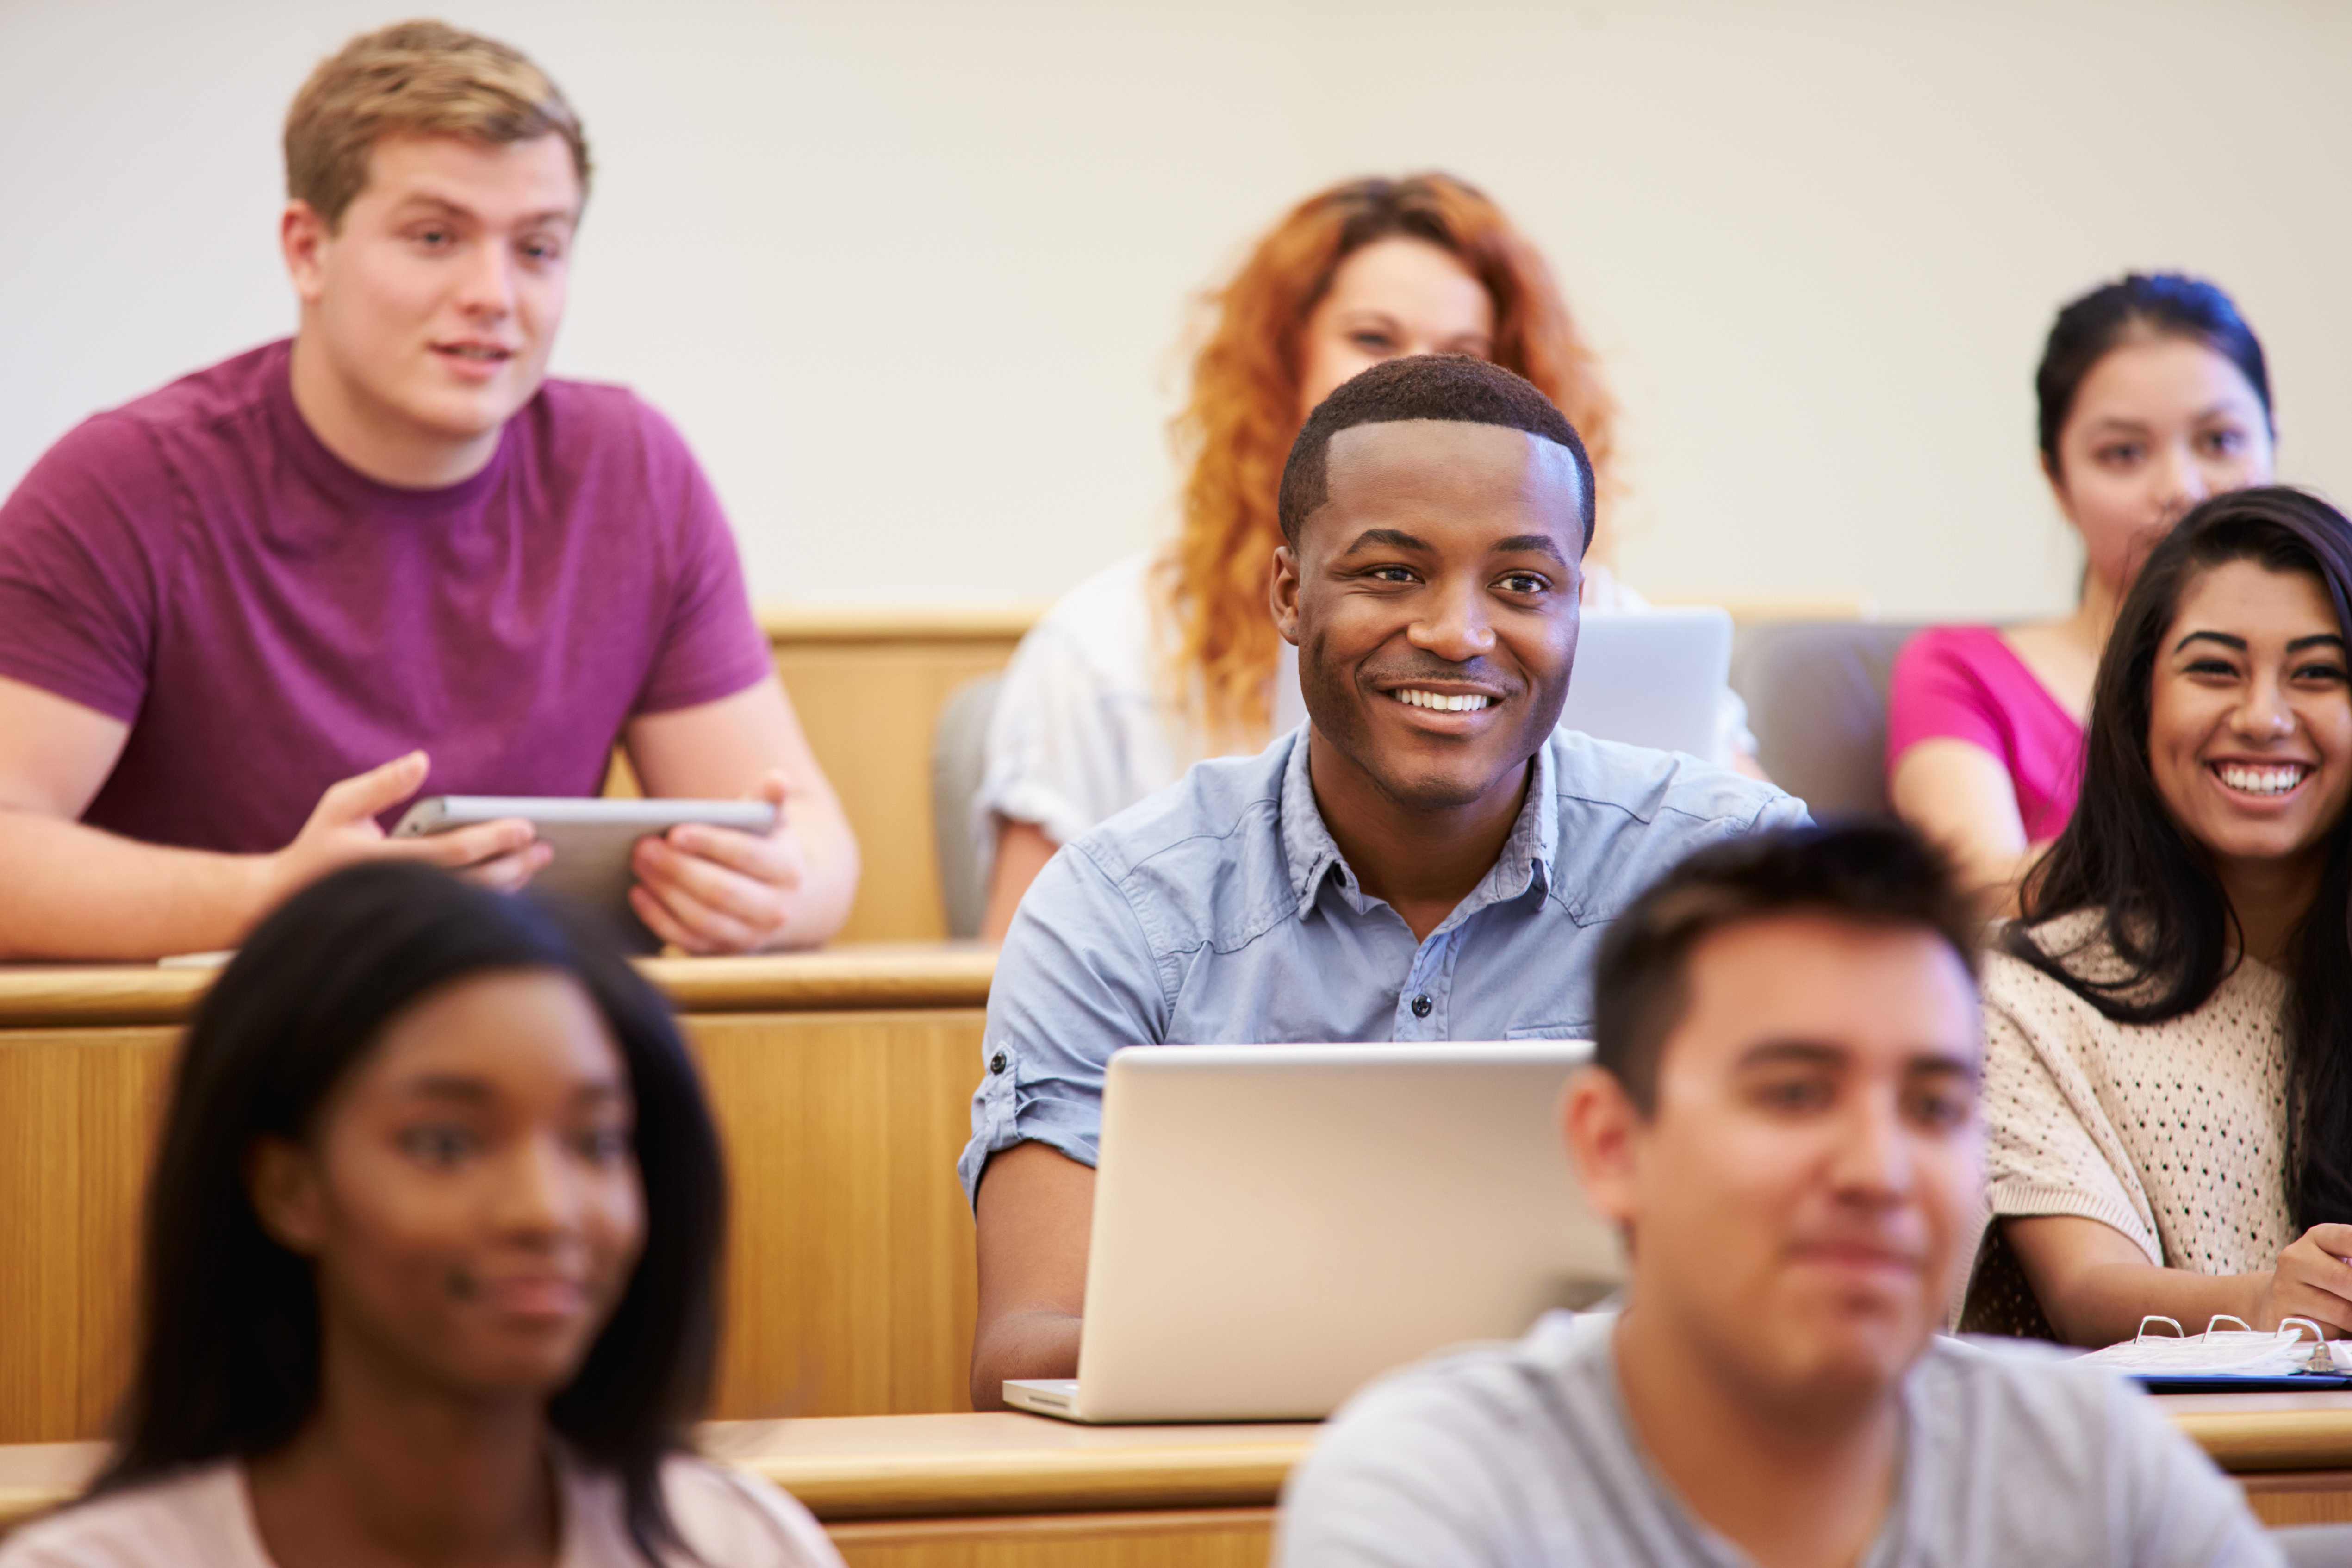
(1084, 726)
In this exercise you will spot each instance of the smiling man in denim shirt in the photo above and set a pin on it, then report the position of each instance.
(1424, 861)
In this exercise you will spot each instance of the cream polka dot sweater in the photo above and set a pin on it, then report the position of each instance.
(2173, 1133)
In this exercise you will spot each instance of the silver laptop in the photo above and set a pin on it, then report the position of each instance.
(1274, 1225)
(1650, 678)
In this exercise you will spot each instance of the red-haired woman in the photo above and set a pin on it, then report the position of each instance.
(1168, 658)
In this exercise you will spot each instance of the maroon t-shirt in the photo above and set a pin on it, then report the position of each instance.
(267, 620)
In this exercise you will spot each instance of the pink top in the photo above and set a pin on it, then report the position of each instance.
(729, 1520)
(1965, 683)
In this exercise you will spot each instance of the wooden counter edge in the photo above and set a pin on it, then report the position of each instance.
(2267, 1442)
(909, 1485)
(805, 626)
(932, 1485)
(845, 979)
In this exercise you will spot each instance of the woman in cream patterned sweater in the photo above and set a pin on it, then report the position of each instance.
(2168, 1061)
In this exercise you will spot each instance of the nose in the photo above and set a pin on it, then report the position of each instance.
(1873, 1160)
(2265, 714)
(2183, 481)
(1454, 625)
(536, 1198)
(485, 293)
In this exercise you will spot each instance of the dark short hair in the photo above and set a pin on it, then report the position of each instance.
(2166, 304)
(1872, 873)
(1455, 387)
(2163, 912)
(228, 1356)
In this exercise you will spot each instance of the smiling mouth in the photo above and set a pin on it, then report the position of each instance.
(481, 354)
(1443, 702)
(2267, 781)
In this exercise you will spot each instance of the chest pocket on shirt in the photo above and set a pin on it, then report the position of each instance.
(1581, 1029)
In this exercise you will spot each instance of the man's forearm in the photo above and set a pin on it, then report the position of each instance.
(75, 892)
(1039, 1341)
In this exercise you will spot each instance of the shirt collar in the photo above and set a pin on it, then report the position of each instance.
(1312, 854)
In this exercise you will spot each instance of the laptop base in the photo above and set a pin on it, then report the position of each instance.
(1055, 1397)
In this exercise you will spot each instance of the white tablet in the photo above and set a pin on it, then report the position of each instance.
(591, 838)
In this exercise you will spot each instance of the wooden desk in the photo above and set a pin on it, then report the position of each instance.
(931, 1491)
(2292, 1452)
(841, 1082)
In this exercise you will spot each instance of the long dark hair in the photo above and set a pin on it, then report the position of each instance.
(2163, 302)
(229, 1339)
(2165, 913)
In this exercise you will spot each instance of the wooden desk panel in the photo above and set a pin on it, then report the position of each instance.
(1194, 1538)
(77, 1110)
(850, 1282)
(869, 685)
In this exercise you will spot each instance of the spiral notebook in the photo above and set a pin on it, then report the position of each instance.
(2296, 1355)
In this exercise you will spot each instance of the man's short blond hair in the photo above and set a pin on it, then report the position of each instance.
(416, 79)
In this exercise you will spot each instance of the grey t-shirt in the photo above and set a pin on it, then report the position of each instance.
(1520, 1456)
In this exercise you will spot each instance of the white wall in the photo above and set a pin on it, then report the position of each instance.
(911, 274)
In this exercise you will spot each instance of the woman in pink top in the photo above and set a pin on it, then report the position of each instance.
(2153, 395)
(430, 1262)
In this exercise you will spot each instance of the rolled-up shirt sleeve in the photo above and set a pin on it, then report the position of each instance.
(1078, 978)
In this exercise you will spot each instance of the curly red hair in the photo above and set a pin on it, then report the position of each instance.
(1243, 415)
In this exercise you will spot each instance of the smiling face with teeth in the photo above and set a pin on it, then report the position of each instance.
(430, 308)
(1432, 597)
(2249, 723)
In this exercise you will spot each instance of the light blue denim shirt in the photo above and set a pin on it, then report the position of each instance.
(1220, 911)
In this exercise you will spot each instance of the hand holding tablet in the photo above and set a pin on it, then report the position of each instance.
(709, 887)
(501, 852)
(594, 851)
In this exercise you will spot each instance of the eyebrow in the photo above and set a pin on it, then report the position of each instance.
(2238, 644)
(454, 209)
(1394, 538)
(1930, 1062)
(475, 1091)
(2234, 405)
(1791, 1053)
(1530, 544)
(448, 1086)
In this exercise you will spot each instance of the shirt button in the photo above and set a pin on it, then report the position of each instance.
(1421, 1005)
(996, 1062)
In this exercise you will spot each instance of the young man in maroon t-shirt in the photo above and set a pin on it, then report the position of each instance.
(247, 616)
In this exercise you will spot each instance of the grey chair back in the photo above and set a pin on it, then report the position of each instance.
(1816, 693)
(2314, 1545)
(959, 761)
